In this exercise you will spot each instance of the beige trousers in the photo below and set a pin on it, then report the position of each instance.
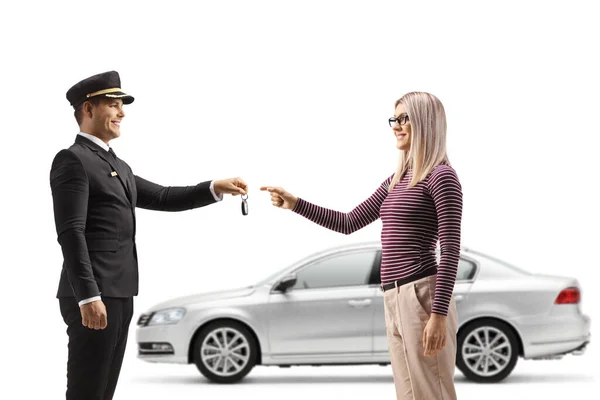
(416, 376)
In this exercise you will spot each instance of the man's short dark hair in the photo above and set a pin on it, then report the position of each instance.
(79, 110)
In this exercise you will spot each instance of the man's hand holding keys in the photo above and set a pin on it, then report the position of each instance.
(233, 186)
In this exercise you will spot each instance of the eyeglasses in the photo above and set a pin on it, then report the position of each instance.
(402, 120)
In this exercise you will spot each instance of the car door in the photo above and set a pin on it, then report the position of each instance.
(464, 280)
(329, 311)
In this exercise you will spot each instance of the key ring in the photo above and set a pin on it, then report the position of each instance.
(244, 205)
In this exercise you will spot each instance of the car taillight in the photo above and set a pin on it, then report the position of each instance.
(568, 296)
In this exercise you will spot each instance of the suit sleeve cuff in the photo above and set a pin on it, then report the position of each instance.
(85, 301)
(218, 197)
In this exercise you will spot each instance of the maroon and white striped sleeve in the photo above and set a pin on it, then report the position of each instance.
(446, 191)
(346, 223)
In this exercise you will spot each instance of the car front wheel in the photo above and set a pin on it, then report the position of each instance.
(487, 351)
(225, 351)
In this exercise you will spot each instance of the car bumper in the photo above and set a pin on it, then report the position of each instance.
(555, 337)
(163, 344)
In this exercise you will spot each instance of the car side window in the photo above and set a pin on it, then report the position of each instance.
(349, 269)
(466, 270)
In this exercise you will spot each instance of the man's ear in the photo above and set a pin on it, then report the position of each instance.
(87, 108)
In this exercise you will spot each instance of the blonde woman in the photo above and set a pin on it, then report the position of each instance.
(419, 204)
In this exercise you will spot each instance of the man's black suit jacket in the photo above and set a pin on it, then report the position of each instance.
(95, 196)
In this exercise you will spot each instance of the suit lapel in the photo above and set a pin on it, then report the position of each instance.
(114, 164)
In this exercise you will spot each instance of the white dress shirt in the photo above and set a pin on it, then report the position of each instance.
(218, 197)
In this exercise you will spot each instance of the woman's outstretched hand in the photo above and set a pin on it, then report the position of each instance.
(280, 198)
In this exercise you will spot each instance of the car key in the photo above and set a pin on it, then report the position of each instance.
(244, 205)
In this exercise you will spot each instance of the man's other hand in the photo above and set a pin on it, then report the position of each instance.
(93, 315)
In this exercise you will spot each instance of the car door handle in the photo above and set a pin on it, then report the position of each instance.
(359, 303)
(458, 297)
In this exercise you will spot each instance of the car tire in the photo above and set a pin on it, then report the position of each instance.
(479, 361)
(225, 351)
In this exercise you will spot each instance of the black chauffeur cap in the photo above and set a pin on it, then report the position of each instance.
(106, 84)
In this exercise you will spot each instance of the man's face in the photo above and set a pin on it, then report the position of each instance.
(106, 118)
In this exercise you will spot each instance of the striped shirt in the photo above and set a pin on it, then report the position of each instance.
(413, 221)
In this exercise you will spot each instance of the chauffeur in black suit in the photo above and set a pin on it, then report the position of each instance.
(95, 194)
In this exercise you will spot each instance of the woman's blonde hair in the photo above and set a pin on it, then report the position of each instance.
(428, 137)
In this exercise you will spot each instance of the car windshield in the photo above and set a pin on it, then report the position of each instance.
(271, 278)
(268, 279)
(289, 267)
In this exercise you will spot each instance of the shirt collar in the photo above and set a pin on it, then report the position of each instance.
(95, 140)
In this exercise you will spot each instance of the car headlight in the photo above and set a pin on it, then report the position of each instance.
(169, 316)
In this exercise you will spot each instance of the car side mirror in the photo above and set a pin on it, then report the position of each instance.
(286, 283)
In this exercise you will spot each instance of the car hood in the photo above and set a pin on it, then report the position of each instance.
(203, 297)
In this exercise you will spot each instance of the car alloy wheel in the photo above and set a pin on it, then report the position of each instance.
(225, 351)
(487, 351)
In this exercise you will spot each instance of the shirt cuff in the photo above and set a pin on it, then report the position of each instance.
(218, 197)
(85, 301)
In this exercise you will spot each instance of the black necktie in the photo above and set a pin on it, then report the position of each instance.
(112, 152)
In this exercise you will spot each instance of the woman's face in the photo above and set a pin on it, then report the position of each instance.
(402, 132)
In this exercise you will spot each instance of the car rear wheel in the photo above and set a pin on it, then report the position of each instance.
(487, 351)
(225, 351)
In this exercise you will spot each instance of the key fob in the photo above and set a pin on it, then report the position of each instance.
(244, 205)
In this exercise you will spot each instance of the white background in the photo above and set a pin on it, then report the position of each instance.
(297, 94)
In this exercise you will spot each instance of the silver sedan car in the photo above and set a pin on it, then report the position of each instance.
(327, 309)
